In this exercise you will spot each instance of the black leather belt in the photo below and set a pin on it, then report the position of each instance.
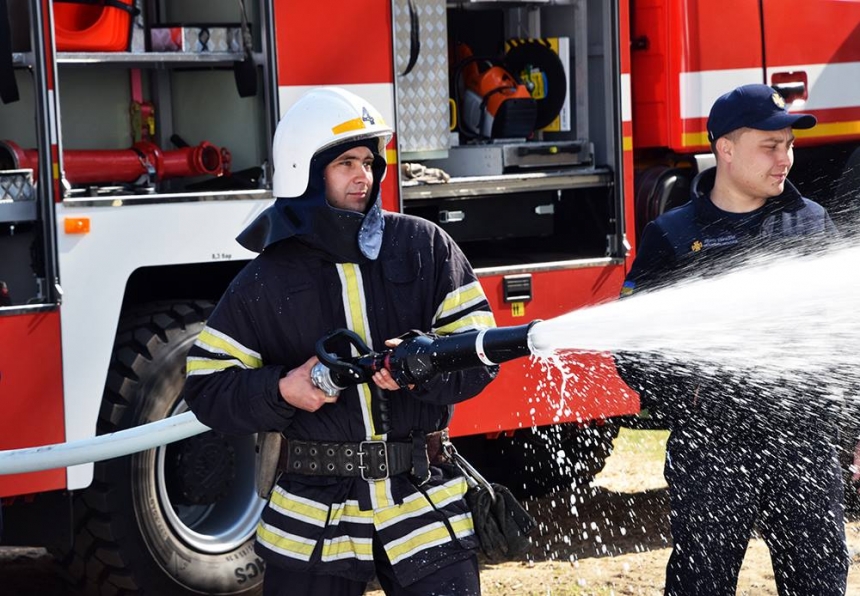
(369, 460)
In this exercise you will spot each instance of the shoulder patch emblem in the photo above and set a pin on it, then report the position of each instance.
(696, 246)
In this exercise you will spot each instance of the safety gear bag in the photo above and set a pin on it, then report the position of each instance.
(501, 523)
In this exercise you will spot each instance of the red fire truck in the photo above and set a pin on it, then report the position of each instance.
(139, 146)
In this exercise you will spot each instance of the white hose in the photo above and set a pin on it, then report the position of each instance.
(124, 442)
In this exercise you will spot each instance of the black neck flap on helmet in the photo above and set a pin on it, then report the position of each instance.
(346, 236)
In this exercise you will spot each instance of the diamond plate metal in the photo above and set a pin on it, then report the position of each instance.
(422, 95)
(17, 185)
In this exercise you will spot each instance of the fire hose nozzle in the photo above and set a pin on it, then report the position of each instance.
(418, 357)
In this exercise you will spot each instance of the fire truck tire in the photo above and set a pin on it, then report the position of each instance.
(163, 521)
(658, 189)
(537, 462)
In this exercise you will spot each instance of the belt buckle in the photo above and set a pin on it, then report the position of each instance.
(363, 467)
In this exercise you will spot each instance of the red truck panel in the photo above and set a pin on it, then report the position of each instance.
(363, 56)
(685, 53)
(811, 31)
(359, 51)
(31, 394)
(527, 393)
(671, 37)
(818, 43)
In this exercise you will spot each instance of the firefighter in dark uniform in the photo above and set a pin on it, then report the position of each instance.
(743, 451)
(356, 497)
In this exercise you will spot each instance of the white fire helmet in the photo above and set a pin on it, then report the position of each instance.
(320, 119)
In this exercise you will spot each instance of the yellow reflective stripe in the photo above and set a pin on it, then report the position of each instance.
(463, 526)
(218, 343)
(476, 320)
(355, 318)
(353, 304)
(337, 548)
(309, 511)
(417, 504)
(381, 491)
(453, 489)
(284, 543)
(349, 511)
(427, 537)
(460, 298)
(406, 510)
(366, 399)
(354, 124)
(199, 366)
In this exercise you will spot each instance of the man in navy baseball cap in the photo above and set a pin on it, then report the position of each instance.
(746, 450)
(753, 106)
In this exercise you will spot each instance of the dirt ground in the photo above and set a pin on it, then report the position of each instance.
(610, 540)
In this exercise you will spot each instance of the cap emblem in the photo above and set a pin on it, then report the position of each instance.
(778, 100)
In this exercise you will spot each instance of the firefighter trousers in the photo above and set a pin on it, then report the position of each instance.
(722, 486)
(457, 579)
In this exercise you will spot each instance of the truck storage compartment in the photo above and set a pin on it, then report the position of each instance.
(22, 240)
(518, 195)
(146, 122)
(571, 218)
(518, 215)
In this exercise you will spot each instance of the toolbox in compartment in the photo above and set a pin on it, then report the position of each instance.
(493, 217)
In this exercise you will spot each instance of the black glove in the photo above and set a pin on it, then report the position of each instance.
(502, 525)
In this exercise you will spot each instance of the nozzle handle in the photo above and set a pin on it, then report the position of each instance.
(343, 372)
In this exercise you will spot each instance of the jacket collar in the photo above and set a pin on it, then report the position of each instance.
(343, 236)
(706, 212)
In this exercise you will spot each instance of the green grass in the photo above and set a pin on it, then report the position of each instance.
(642, 443)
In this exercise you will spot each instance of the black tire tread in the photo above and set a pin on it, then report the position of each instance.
(95, 566)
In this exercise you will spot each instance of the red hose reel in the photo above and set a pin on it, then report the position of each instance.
(144, 160)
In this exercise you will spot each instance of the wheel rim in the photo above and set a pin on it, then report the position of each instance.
(221, 526)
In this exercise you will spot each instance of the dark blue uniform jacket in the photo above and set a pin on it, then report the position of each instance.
(698, 238)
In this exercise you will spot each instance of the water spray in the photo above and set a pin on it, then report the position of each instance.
(418, 357)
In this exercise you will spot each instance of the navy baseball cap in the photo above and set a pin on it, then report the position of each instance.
(753, 106)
